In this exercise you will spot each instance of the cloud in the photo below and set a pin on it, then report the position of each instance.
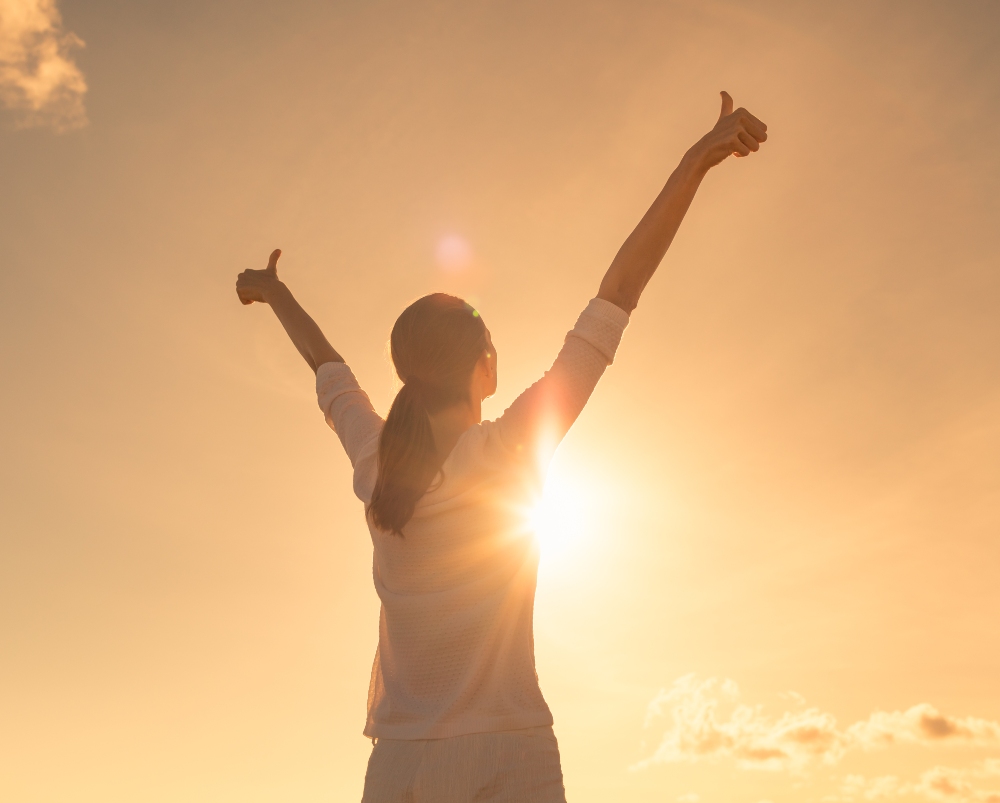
(755, 741)
(696, 730)
(857, 787)
(937, 785)
(954, 786)
(39, 81)
(690, 797)
(793, 697)
(923, 724)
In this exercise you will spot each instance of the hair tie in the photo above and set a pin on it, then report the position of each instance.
(415, 383)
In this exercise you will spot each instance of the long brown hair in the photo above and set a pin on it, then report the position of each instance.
(435, 344)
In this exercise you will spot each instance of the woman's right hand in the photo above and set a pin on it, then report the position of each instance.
(259, 285)
(737, 133)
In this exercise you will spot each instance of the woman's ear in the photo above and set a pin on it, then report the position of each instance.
(484, 375)
(491, 372)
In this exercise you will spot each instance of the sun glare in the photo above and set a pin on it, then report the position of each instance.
(563, 518)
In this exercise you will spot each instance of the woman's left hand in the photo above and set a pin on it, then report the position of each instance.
(259, 285)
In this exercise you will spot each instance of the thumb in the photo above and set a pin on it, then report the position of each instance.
(727, 104)
(272, 263)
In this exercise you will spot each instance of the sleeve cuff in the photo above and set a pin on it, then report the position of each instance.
(333, 379)
(602, 324)
(608, 311)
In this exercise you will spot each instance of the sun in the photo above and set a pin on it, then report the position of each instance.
(562, 518)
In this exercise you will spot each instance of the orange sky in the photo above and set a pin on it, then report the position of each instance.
(789, 480)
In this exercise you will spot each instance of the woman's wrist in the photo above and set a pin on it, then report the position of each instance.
(275, 292)
(695, 162)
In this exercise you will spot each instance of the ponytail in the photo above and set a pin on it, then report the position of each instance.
(435, 345)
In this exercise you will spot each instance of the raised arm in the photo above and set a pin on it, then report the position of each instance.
(265, 287)
(737, 133)
(541, 416)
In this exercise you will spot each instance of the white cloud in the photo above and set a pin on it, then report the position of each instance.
(923, 724)
(696, 729)
(39, 81)
(954, 786)
(857, 787)
(937, 785)
(690, 797)
(792, 696)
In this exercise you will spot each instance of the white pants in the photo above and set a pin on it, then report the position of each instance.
(508, 767)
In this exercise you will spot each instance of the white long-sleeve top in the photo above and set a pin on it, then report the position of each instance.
(456, 649)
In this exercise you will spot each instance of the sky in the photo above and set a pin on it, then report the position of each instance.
(771, 542)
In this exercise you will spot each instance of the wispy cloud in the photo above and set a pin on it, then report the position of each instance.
(953, 786)
(39, 81)
(923, 724)
(938, 785)
(696, 729)
(858, 787)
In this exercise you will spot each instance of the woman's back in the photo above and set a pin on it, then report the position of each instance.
(456, 652)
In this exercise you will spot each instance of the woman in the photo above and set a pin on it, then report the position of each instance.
(454, 708)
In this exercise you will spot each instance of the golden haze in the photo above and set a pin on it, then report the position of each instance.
(785, 492)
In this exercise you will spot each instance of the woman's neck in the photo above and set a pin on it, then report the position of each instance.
(448, 424)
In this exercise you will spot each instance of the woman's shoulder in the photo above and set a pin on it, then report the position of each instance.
(480, 448)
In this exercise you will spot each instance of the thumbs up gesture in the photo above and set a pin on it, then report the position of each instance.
(736, 133)
(257, 285)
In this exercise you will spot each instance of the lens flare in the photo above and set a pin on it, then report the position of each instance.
(453, 254)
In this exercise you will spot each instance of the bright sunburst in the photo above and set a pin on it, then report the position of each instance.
(563, 518)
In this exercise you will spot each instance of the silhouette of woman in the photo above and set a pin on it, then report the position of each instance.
(454, 708)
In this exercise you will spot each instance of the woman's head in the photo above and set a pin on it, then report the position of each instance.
(441, 350)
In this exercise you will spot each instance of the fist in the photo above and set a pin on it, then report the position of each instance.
(256, 285)
(736, 133)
